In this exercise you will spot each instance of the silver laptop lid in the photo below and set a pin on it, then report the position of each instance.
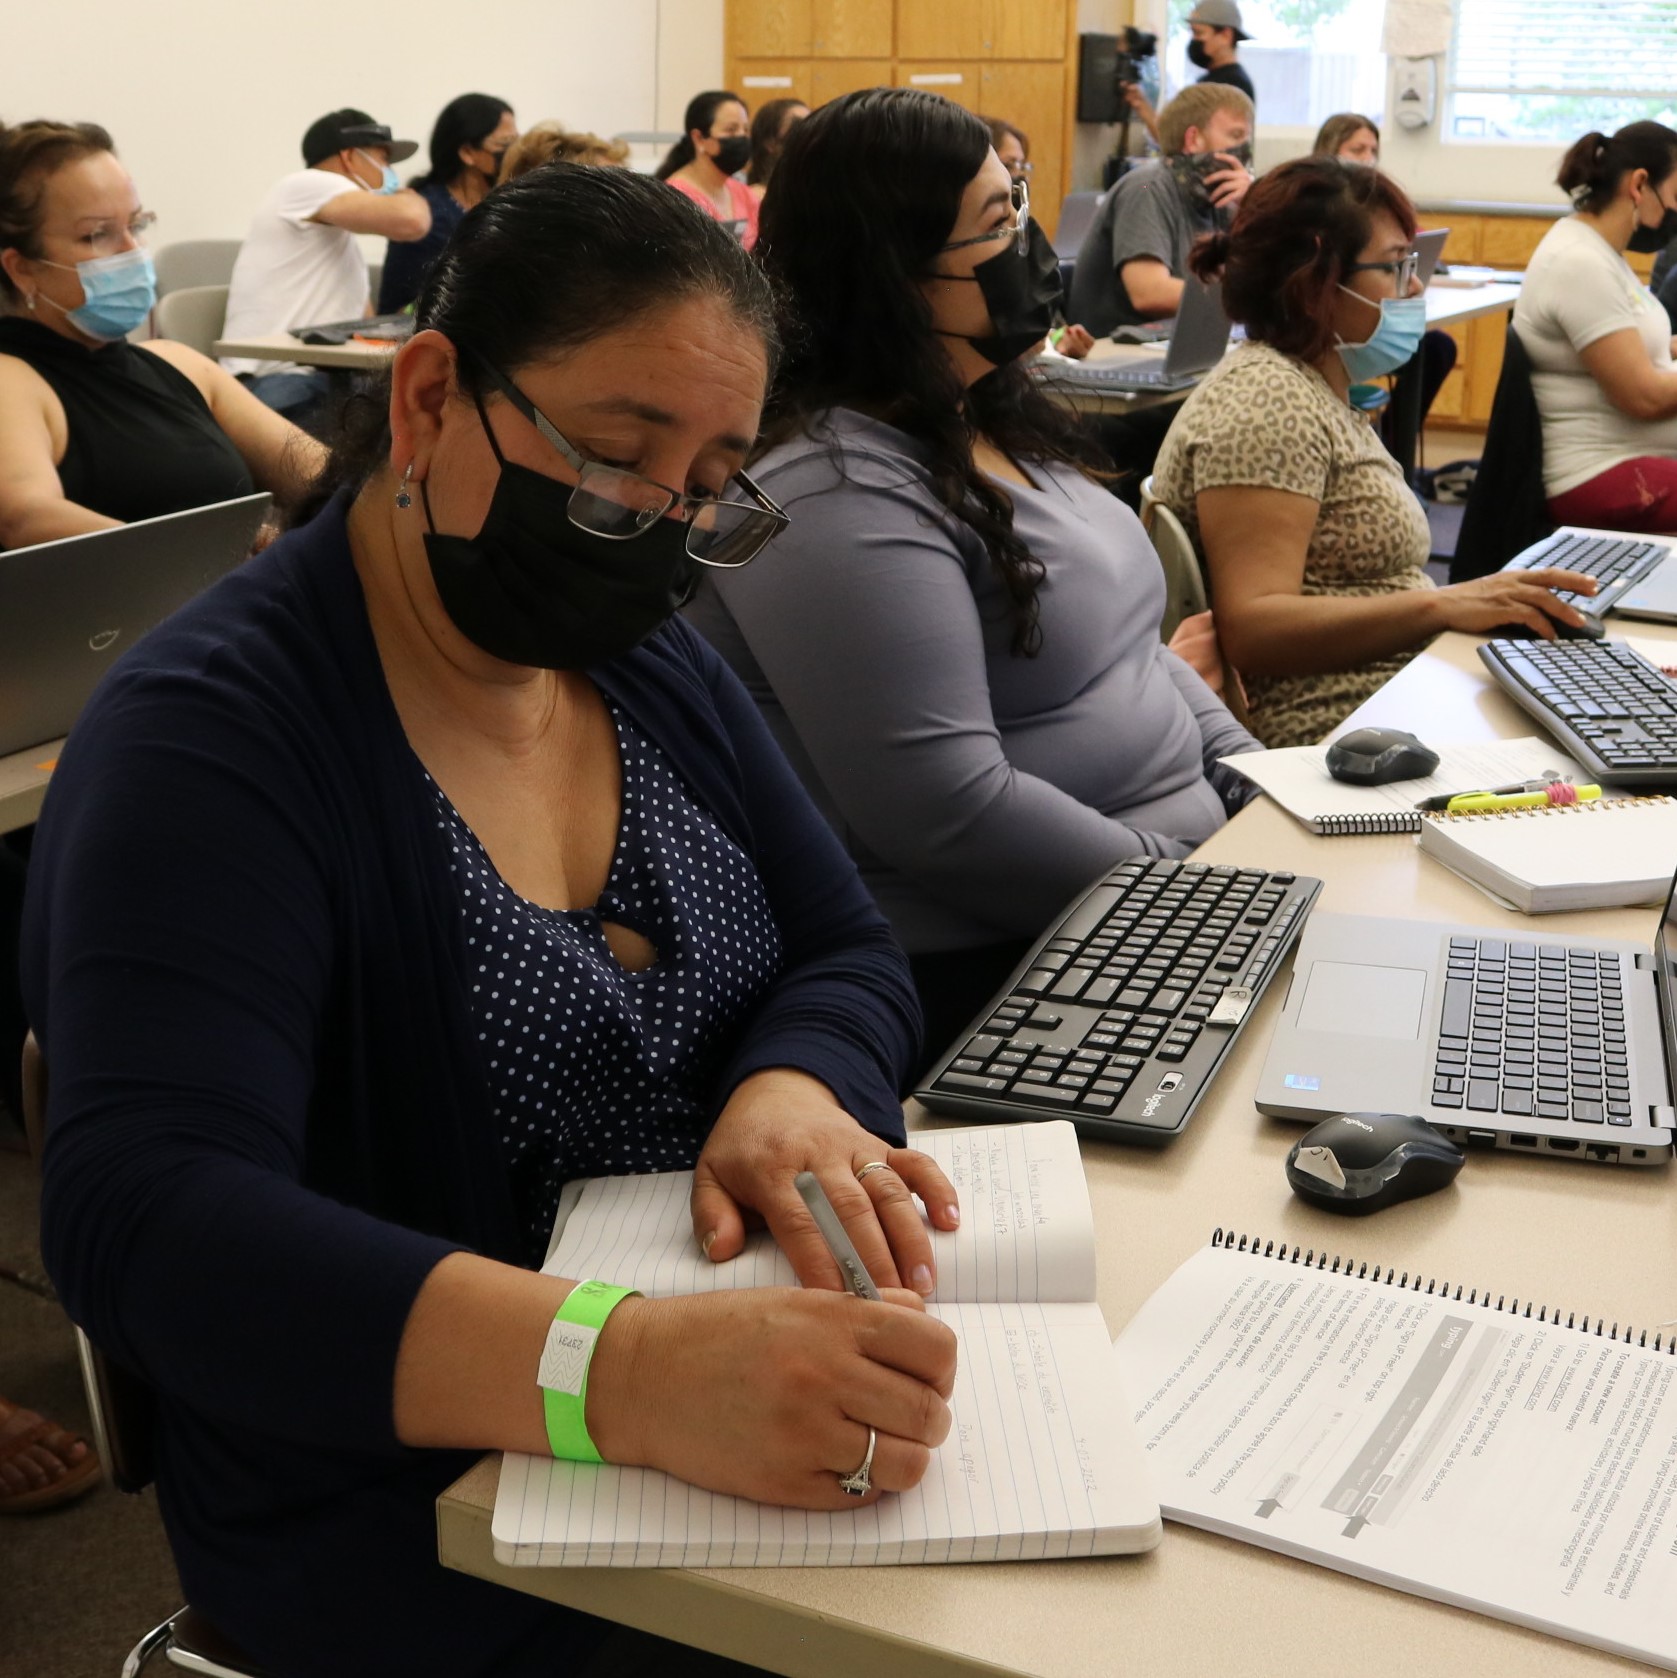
(1202, 329)
(1429, 246)
(69, 609)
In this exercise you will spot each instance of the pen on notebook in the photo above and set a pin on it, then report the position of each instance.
(1442, 800)
(1474, 801)
(845, 1256)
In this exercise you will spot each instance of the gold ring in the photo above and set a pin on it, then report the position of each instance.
(872, 1165)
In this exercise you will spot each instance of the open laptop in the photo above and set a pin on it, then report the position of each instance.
(69, 609)
(1429, 247)
(1525, 1040)
(388, 329)
(1634, 573)
(1196, 346)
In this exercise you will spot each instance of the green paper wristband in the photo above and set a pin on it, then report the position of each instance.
(563, 1372)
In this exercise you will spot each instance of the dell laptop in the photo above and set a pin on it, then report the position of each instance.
(1196, 346)
(69, 609)
(1524, 1041)
(1633, 573)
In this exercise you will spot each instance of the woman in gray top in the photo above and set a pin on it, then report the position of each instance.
(957, 638)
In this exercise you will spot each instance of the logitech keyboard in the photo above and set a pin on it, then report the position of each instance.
(1130, 375)
(1616, 563)
(1606, 704)
(1122, 1013)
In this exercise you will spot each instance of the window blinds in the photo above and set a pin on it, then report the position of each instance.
(1613, 48)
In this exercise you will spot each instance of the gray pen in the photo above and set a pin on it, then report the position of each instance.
(845, 1256)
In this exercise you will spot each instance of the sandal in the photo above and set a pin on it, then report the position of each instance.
(25, 1440)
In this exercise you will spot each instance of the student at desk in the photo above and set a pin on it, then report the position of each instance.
(424, 864)
(1600, 345)
(1315, 545)
(958, 643)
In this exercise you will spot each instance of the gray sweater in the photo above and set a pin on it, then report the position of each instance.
(978, 791)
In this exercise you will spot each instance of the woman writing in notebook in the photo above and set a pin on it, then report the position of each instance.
(426, 864)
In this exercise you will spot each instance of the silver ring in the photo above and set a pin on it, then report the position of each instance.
(872, 1165)
(860, 1483)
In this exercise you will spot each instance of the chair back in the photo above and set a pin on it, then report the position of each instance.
(122, 1407)
(193, 316)
(1184, 581)
(195, 262)
(1506, 509)
(1076, 215)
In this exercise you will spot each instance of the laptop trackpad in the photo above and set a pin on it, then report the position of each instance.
(1348, 999)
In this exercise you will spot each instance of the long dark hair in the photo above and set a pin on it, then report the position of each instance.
(700, 114)
(865, 193)
(541, 265)
(1592, 169)
(766, 138)
(466, 121)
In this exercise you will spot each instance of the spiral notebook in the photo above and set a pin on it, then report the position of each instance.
(1297, 778)
(1450, 1441)
(1611, 853)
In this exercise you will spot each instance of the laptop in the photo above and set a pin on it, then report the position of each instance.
(1525, 1041)
(1429, 247)
(1633, 573)
(69, 609)
(389, 329)
(1196, 346)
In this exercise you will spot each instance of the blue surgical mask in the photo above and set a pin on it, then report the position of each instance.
(387, 184)
(1403, 320)
(119, 293)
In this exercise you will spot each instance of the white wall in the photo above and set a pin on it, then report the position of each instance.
(208, 99)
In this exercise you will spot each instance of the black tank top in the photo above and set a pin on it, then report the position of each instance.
(142, 440)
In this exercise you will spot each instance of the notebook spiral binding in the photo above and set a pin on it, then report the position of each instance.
(1388, 821)
(1337, 1266)
(1539, 810)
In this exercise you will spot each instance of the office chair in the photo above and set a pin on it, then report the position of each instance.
(193, 315)
(1076, 214)
(1506, 509)
(123, 1409)
(195, 262)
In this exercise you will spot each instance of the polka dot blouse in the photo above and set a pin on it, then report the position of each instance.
(594, 1070)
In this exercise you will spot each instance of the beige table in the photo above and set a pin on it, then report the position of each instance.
(1599, 1238)
(281, 346)
(23, 784)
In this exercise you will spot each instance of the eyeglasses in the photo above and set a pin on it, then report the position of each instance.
(1018, 230)
(111, 239)
(621, 505)
(1403, 271)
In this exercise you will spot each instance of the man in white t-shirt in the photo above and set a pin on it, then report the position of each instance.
(300, 263)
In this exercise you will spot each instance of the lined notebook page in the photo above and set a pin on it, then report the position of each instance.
(1027, 1232)
(1040, 1461)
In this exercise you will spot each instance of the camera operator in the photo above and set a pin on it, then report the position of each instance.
(1215, 49)
(1131, 262)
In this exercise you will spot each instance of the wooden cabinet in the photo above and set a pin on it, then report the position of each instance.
(829, 77)
(809, 29)
(1031, 29)
(1031, 96)
(954, 81)
(1025, 29)
(938, 29)
(854, 29)
(758, 80)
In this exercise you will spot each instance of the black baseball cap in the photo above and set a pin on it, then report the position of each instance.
(347, 130)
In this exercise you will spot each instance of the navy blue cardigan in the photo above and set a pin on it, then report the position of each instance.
(268, 1120)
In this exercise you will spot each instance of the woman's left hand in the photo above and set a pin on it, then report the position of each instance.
(1075, 342)
(780, 1122)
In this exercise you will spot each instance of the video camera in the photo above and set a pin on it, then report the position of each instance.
(1134, 48)
(1106, 65)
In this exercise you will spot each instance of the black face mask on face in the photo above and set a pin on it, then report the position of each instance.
(1198, 56)
(532, 588)
(732, 154)
(1650, 241)
(1022, 291)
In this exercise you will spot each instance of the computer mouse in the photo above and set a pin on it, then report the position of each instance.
(1591, 629)
(1369, 757)
(1360, 1162)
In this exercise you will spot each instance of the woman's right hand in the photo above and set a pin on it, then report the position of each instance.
(769, 1393)
(1513, 597)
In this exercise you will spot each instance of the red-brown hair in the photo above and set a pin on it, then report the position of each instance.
(1298, 231)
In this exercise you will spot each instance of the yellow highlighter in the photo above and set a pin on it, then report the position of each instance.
(1474, 801)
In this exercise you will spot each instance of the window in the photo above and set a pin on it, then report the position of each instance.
(1307, 58)
(1553, 69)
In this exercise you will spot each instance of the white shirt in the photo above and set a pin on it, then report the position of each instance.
(292, 271)
(1578, 289)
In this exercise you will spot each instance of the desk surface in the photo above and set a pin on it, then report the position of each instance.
(281, 346)
(1447, 305)
(23, 784)
(1600, 1238)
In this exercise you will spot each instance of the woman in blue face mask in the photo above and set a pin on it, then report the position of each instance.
(94, 430)
(1315, 545)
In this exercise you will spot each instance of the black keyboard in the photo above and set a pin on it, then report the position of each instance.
(1616, 563)
(1110, 375)
(1609, 706)
(1534, 1031)
(1121, 1015)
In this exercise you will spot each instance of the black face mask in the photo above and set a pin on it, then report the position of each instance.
(733, 154)
(1650, 241)
(532, 588)
(1198, 56)
(1022, 291)
(1191, 172)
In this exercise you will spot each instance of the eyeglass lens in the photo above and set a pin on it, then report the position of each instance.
(619, 504)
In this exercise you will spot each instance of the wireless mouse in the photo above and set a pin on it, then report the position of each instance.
(1369, 757)
(1360, 1162)
(1591, 629)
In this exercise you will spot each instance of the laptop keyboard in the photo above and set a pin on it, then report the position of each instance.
(1613, 561)
(1533, 1031)
(1146, 982)
(1608, 705)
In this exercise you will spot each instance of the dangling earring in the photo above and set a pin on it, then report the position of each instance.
(29, 302)
(403, 499)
